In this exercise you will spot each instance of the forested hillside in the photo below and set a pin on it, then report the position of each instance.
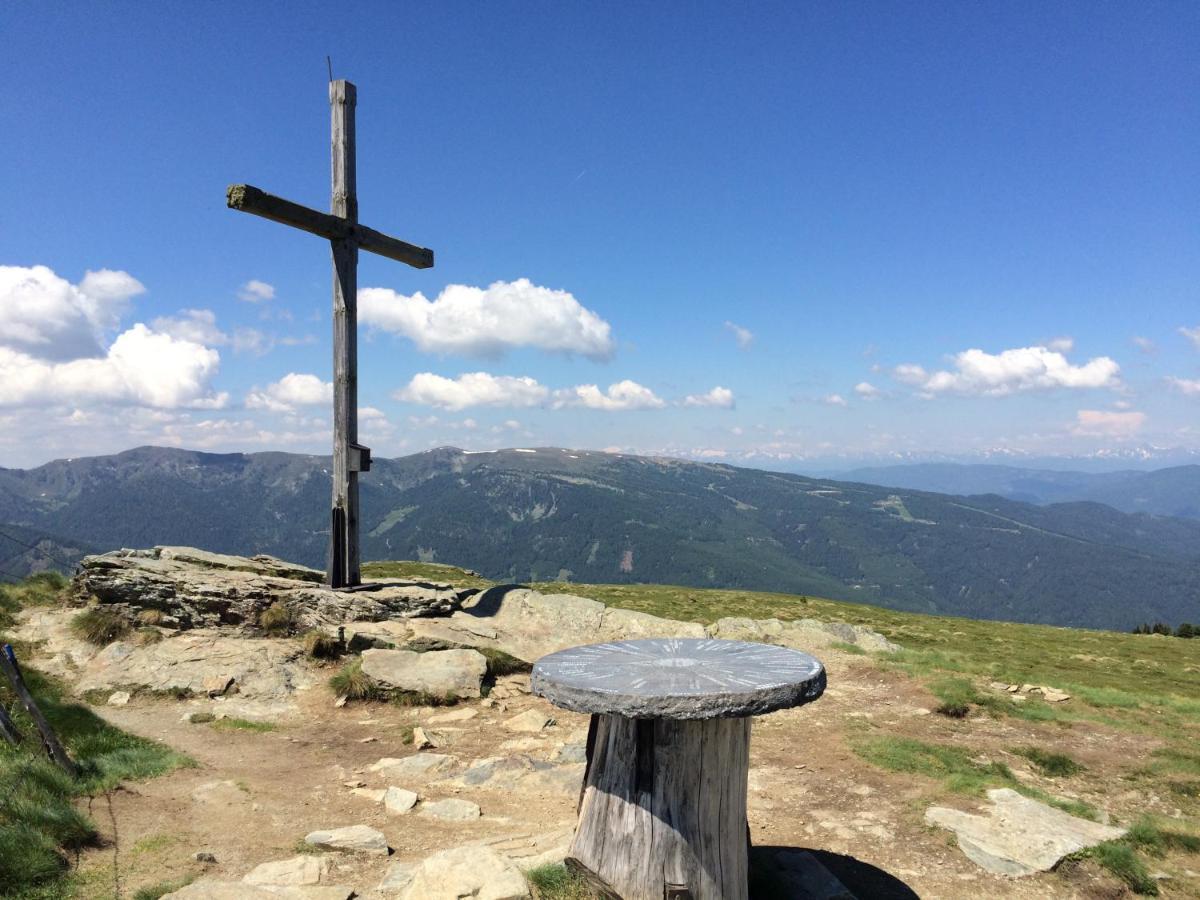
(554, 514)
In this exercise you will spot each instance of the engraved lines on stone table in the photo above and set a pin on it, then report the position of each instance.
(678, 667)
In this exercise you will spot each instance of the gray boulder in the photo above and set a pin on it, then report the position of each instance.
(473, 871)
(439, 672)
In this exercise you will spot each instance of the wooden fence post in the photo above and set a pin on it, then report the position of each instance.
(55, 750)
(8, 730)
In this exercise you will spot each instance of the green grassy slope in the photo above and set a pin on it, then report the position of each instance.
(40, 823)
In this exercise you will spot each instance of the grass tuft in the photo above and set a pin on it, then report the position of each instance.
(954, 710)
(1054, 765)
(557, 882)
(319, 645)
(1156, 841)
(500, 663)
(150, 617)
(278, 619)
(99, 626)
(952, 765)
(423, 698)
(350, 682)
(1120, 860)
(234, 724)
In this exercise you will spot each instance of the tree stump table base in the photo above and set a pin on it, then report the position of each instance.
(663, 808)
(661, 801)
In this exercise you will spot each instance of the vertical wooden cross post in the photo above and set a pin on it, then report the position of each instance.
(340, 227)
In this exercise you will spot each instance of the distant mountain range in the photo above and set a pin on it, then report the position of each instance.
(550, 514)
(1172, 491)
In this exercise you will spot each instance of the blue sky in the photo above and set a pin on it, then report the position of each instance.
(820, 209)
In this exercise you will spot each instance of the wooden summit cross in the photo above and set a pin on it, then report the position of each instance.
(340, 227)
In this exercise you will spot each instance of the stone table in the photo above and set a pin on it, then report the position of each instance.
(663, 809)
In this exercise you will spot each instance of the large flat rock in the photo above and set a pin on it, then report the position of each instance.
(1019, 836)
(194, 589)
(259, 669)
(473, 871)
(443, 673)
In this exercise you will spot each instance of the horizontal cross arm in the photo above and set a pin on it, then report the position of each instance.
(247, 198)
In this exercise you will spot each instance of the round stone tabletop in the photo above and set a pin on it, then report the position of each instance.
(678, 678)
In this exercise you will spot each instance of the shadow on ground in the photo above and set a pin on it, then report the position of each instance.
(488, 603)
(797, 873)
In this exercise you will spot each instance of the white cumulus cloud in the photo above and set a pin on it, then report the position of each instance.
(487, 322)
(45, 316)
(623, 395)
(196, 325)
(1061, 344)
(1010, 371)
(472, 389)
(1106, 423)
(141, 367)
(835, 400)
(1192, 334)
(743, 336)
(1188, 386)
(866, 390)
(292, 390)
(255, 291)
(718, 396)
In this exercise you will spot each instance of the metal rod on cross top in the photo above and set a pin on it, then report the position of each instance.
(346, 237)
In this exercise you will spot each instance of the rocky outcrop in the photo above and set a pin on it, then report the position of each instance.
(528, 624)
(193, 588)
(1019, 836)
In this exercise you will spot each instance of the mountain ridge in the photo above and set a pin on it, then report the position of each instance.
(554, 514)
(1169, 491)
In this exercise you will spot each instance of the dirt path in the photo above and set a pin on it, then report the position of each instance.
(255, 794)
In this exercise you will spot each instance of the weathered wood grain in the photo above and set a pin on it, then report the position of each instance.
(685, 829)
(54, 749)
(248, 198)
(346, 237)
(8, 728)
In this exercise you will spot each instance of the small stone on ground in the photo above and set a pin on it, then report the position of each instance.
(351, 839)
(452, 810)
(398, 801)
